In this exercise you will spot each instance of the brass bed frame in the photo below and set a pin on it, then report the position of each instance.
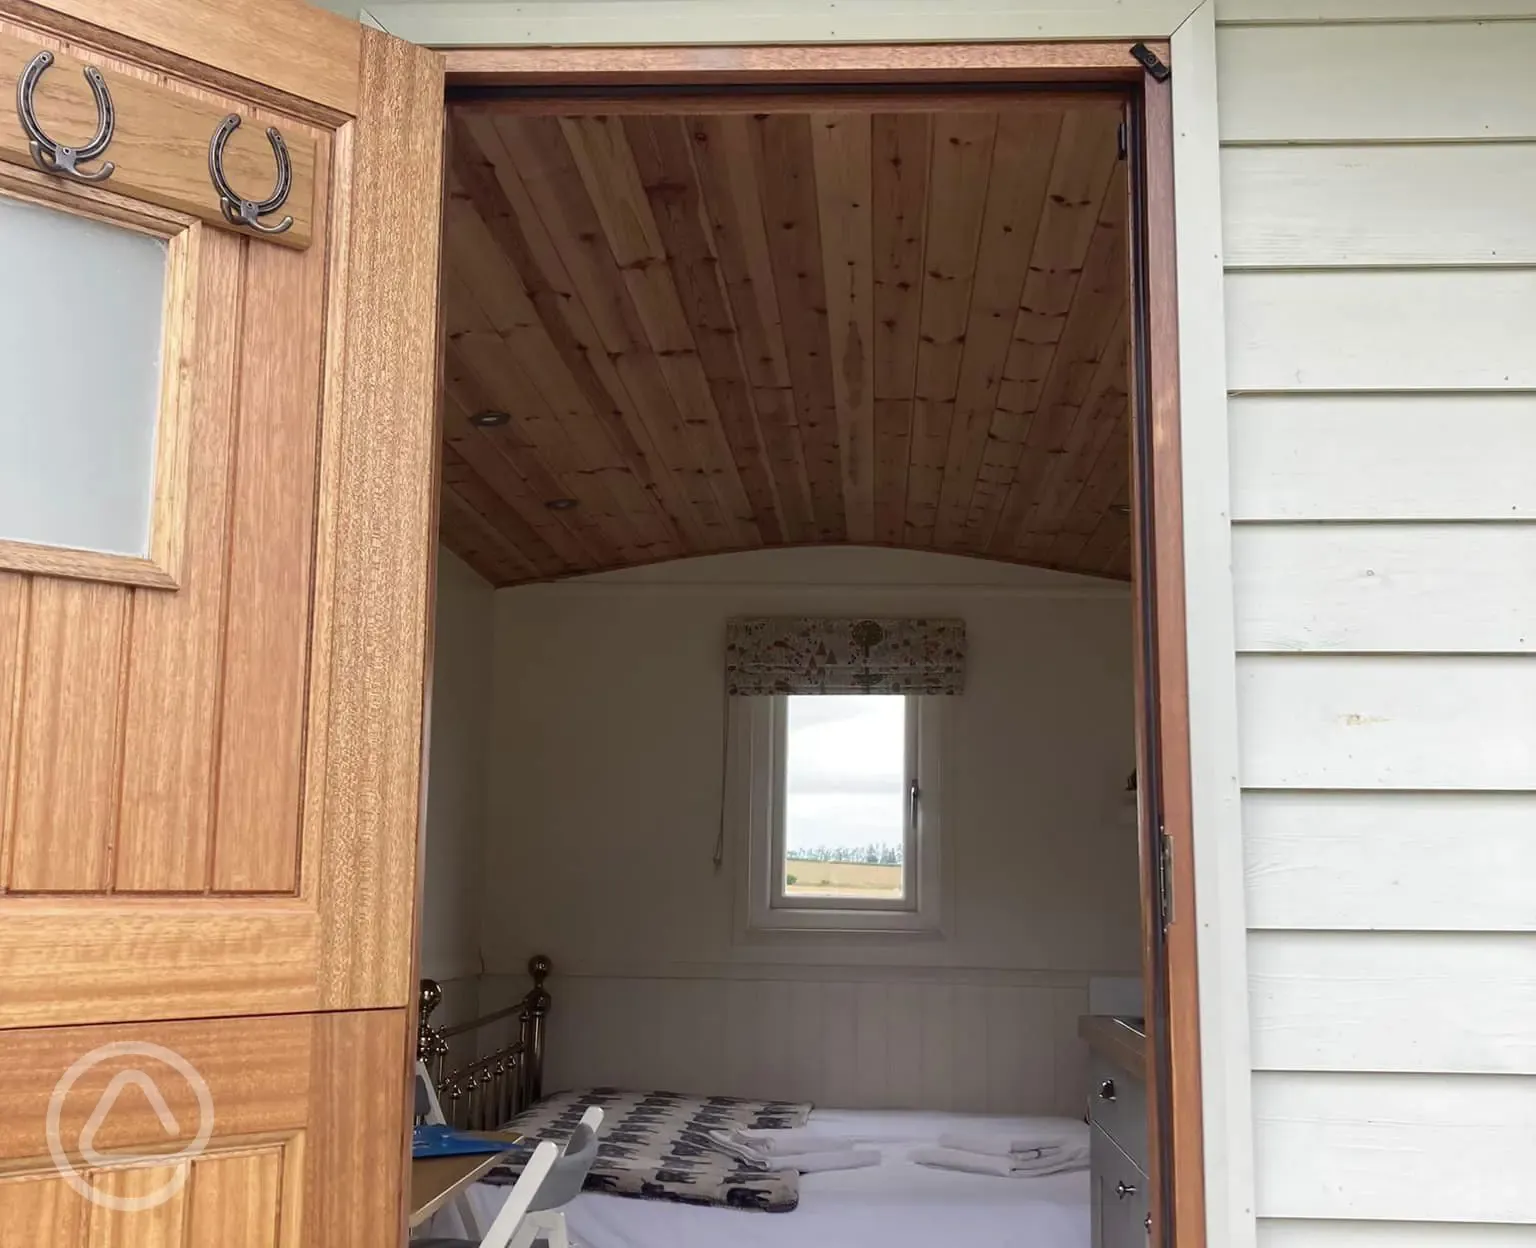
(507, 1075)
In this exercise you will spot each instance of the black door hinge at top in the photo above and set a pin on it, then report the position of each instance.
(1151, 62)
(1120, 138)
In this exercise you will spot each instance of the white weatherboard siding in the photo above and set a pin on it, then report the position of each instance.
(1378, 183)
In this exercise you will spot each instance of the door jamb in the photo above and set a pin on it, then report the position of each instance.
(1157, 515)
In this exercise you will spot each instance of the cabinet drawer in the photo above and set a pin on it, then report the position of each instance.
(1117, 1102)
(1120, 1197)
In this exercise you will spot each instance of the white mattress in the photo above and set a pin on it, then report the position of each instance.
(893, 1205)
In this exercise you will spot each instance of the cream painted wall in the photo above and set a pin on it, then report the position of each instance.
(605, 786)
(456, 786)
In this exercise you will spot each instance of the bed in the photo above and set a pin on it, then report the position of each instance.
(897, 1204)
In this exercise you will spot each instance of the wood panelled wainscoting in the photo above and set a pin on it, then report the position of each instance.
(854, 1036)
(885, 320)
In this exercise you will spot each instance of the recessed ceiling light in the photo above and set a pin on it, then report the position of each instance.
(560, 504)
(491, 419)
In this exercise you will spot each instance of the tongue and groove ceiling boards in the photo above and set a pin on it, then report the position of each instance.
(722, 331)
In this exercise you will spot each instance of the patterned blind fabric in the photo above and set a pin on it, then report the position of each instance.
(797, 654)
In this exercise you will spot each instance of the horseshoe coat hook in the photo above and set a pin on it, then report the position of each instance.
(247, 212)
(53, 157)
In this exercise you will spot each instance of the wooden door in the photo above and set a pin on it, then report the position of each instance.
(210, 741)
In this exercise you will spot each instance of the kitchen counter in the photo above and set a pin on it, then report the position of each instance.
(1120, 1040)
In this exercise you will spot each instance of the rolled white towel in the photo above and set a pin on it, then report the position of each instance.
(1004, 1167)
(786, 1141)
(812, 1163)
(959, 1159)
(1042, 1133)
(1051, 1161)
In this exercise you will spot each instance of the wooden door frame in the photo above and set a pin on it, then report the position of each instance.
(586, 75)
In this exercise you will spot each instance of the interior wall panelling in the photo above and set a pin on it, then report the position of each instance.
(724, 331)
(833, 1036)
(607, 697)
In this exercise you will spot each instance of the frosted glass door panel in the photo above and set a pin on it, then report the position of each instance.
(81, 313)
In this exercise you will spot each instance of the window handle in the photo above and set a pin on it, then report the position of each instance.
(914, 793)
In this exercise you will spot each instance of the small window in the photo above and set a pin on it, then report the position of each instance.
(842, 817)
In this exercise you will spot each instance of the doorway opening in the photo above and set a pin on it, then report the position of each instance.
(830, 335)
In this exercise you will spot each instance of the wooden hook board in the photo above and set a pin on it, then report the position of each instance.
(160, 138)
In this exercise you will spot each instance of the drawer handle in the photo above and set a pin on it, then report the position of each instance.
(1107, 1090)
(1123, 1189)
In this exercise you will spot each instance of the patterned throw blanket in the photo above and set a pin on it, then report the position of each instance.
(653, 1145)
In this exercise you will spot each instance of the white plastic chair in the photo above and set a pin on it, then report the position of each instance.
(546, 1215)
(509, 1221)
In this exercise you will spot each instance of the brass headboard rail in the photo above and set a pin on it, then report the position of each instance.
(486, 1091)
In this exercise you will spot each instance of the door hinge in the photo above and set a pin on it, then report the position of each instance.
(1164, 877)
(1121, 138)
(1151, 62)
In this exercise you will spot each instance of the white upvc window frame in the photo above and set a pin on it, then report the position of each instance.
(759, 738)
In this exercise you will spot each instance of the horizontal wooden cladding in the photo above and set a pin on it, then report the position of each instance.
(1439, 1002)
(1305, 1233)
(1327, 12)
(723, 331)
(1344, 83)
(1362, 330)
(1389, 861)
(1378, 722)
(203, 959)
(1416, 1147)
(286, 46)
(1383, 457)
(161, 134)
(1431, 204)
(1448, 588)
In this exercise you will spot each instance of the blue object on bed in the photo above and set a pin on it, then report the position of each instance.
(433, 1139)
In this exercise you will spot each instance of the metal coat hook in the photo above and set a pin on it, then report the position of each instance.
(53, 157)
(247, 212)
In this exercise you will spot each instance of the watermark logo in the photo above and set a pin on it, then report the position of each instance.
(144, 1082)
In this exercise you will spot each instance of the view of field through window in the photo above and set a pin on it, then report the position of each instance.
(845, 801)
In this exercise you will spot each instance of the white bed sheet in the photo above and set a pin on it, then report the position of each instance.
(896, 1204)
